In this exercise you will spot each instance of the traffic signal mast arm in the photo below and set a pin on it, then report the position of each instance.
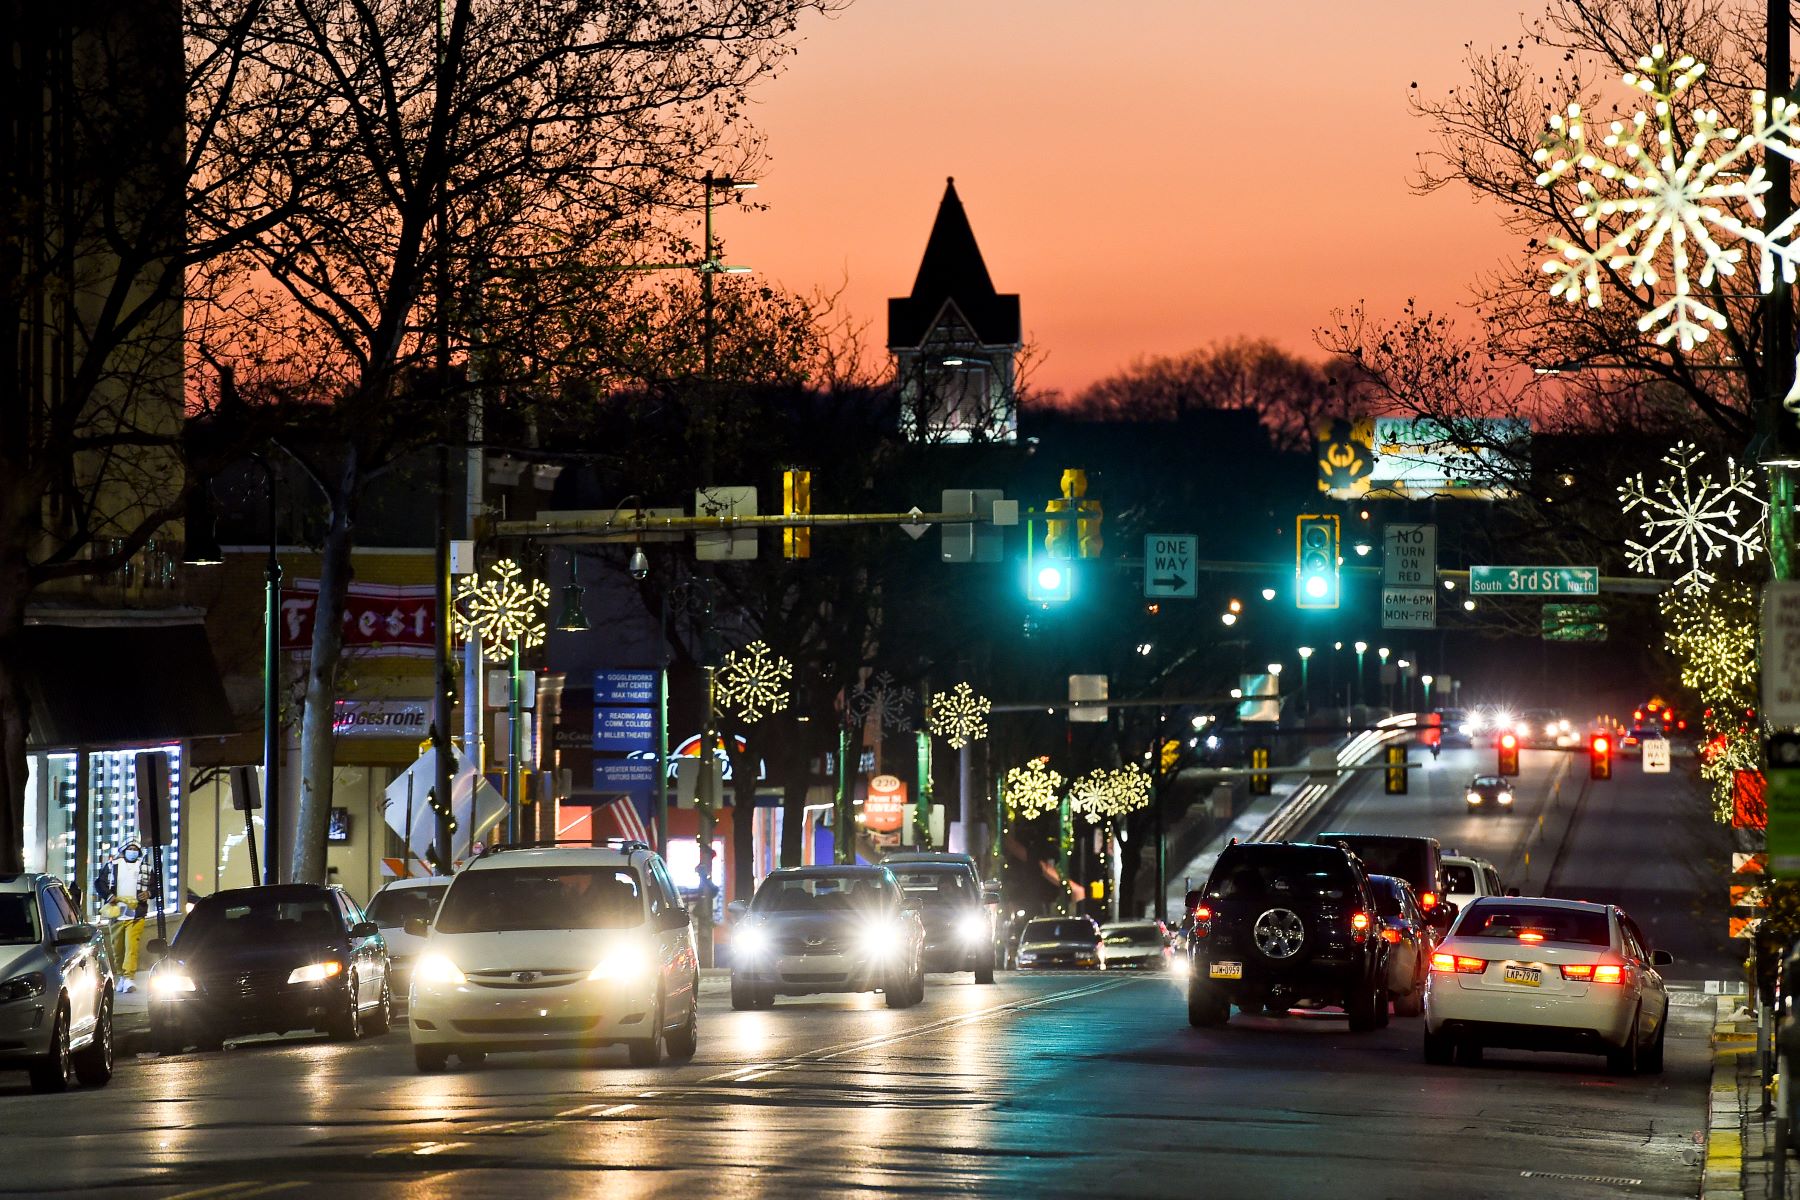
(627, 527)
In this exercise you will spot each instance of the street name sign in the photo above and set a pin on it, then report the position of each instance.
(1656, 756)
(1781, 652)
(1534, 581)
(1408, 608)
(1409, 555)
(1574, 623)
(1169, 566)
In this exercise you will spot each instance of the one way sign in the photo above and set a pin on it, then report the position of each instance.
(1169, 566)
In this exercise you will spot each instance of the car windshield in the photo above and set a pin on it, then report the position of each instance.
(394, 907)
(1489, 781)
(1058, 931)
(237, 923)
(1133, 935)
(1459, 879)
(819, 893)
(503, 898)
(1540, 922)
(1287, 871)
(19, 919)
(936, 888)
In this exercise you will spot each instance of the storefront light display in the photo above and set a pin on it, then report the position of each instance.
(112, 815)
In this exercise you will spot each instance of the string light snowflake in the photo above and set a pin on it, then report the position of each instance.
(1033, 789)
(1652, 201)
(754, 681)
(1714, 639)
(1102, 794)
(959, 716)
(891, 703)
(501, 610)
(1690, 519)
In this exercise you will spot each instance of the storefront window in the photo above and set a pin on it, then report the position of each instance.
(112, 814)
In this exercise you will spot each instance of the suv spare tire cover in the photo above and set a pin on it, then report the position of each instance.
(1279, 933)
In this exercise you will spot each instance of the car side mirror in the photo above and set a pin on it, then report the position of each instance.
(1193, 898)
(416, 926)
(78, 934)
(677, 918)
(156, 947)
(365, 929)
(737, 909)
(1661, 958)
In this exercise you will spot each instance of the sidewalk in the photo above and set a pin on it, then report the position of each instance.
(1740, 1140)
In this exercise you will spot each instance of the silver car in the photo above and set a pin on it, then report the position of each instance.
(828, 929)
(56, 987)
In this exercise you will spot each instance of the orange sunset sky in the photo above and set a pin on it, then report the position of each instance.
(1149, 175)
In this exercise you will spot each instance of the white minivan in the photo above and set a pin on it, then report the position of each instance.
(555, 948)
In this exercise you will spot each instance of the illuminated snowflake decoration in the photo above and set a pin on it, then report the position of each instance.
(1724, 753)
(959, 716)
(1102, 794)
(1715, 638)
(1691, 519)
(890, 703)
(1649, 200)
(1033, 789)
(501, 610)
(754, 681)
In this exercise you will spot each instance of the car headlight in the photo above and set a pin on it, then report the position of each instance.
(627, 962)
(435, 968)
(749, 940)
(881, 939)
(317, 972)
(22, 988)
(973, 928)
(1506, 797)
(1473, 797)
(166, 985)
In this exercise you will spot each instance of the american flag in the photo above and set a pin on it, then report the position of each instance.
(619, 817)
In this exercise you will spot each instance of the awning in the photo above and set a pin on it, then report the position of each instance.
(93, 686)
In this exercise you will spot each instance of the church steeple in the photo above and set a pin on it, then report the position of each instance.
(955, 340)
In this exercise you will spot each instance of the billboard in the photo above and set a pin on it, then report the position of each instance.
(1481, 458)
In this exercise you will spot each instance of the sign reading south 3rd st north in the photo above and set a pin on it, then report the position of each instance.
(1534, 581)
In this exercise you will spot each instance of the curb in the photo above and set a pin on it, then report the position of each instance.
(1723, 1178)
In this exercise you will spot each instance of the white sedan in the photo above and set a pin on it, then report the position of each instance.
(1540, 974)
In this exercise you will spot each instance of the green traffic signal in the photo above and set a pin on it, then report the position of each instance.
(1316, 562)
(1048, 583)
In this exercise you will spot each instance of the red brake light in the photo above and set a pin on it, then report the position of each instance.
(1428, 900)
(1589, 973)
(1638, 715)
(1359, 926)
(1457, 963)
(1531, 936)
(1391, 936)
(1202, 921)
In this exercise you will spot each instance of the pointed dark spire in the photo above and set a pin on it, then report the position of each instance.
(952, 269)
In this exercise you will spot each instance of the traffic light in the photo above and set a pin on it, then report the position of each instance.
(1047, 580)
(1600, 757)
(1508, 746)
(1316, 562)
(1260, 785)
(1079, 537)
(1396, 771)
(796, 501)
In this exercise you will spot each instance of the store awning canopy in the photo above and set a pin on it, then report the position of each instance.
(91, 686)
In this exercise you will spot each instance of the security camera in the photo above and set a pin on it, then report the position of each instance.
(640, 563)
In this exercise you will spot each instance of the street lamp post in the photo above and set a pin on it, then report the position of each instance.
(1306, 653)
(1361, 647)
(272, 697)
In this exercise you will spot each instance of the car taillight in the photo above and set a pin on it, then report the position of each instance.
(1458, 964)
(1391, 936)
(1428, 900)
(1589, 973)
(1531, 936)
(1359, 926)
(1203, 921)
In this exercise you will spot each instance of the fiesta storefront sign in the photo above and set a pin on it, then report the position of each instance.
(390, 619)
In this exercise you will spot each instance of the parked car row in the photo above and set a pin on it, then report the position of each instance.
(1344, 923)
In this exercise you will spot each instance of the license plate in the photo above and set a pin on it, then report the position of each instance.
(1525, 976)
(1225, 970)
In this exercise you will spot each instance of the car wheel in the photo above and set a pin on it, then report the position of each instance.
(50, 1070)
(647, 1052)
(743, 993)
(684, 1041)
(94, 1061)
(1383, 1014)
(900, 996)
(984, 971)
(209, 1041)
(345, 1025)
(379, 1021)
(1651, 1063)
(430, 1058)
(1361, 1006)
(1440, 1051)
(1208, 1007)
(1624, 1060)
(1410, 1004)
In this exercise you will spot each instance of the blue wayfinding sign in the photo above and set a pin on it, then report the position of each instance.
(624, 729)
(624, 687)
(632, 776)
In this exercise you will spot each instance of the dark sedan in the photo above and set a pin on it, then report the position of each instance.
(959, 926)
(828, 929)
(270, 960)
(1059, 942)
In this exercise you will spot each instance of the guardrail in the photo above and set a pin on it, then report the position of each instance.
(1310, 797)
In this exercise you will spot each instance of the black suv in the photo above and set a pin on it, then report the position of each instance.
(1286, 924)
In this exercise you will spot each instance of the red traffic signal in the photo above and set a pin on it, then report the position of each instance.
(1600, 757)
(1508, 746)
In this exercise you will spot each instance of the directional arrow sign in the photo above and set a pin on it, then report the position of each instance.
(1169, 566)
(915, 532)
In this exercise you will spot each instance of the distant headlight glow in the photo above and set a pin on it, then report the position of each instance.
(1506, 797)
(317, 972)
(435, 968)
(1473, 797)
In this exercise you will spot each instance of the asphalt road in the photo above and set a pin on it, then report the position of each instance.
(1043, 1086)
